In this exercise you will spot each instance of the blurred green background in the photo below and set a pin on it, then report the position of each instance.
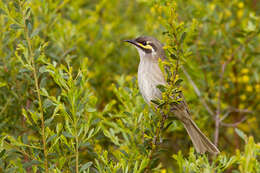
(69, 100)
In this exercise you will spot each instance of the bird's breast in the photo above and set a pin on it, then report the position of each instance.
(149, 77)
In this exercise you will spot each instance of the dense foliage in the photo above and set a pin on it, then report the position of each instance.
(69, 100)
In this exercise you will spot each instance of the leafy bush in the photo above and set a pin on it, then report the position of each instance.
(69, 96)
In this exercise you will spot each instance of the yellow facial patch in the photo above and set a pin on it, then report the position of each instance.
(146, 46)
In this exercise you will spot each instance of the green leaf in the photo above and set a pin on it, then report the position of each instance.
(241, 134)
(35, 32)
(167, 126)
(2, 153)
(28, 26)
(85, 166)
(183, 36)
(165, 32)
(90, 133)
(127, 113)
(47, 103)
(2, 11)
(143, 164)
(91, 110)
(2, 84)
(42, 69)
(155, 102)
(154, 162)
(162, 104)
(30, 163)
(26, 116)
(34, 116)
(48, 121)
(230, 162)
(125, 154)
(17, 6)
(251, 26)
(51, 138)
(67, 134)
(173, 56)
(58, 127)
(44, 92)
(27, 13)
(15, 26)
(178, 82)
(161, 88)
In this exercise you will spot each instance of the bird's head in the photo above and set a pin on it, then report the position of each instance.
(148, 47)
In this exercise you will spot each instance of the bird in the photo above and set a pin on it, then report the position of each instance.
(150, 76)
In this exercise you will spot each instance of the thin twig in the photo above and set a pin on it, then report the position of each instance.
(218, 111)
(234, 124)
(234, 110)
(31, 55)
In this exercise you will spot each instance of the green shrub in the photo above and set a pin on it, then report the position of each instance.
(69, 100)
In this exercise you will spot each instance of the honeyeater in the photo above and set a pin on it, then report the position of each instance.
(150, 76)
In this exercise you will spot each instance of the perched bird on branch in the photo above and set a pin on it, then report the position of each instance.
(150, 76)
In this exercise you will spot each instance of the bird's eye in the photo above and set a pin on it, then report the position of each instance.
(144, 43)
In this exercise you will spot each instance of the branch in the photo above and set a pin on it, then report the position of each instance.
(36, 83)
(217, 121)
(233, 124)
(235, 110)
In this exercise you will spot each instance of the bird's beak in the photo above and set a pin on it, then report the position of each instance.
(133, 42)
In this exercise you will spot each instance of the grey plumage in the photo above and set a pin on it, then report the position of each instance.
(150, 76)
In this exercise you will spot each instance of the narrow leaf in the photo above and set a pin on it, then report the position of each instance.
(85, 166)
(241, 134)
(178, 82)
(15, 26)
(161, 88)
(173, 56)
(155, 102)
(2, 153)
(183, 36)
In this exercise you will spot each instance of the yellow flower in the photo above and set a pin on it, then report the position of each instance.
(249, 88)
(240, 14)
(258, 97)
(226, 85)
(233, 79)
(163, 171)
(152, 10)
(212, 7)
(245, 79)
(228, 13)
(217, 94)
(245, 70)
(128, 78)
(97, 148)
(240, 5)
(243, 97)
(241, 106)
(257, 87)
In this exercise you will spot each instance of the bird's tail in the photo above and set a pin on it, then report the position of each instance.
(201, 143)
